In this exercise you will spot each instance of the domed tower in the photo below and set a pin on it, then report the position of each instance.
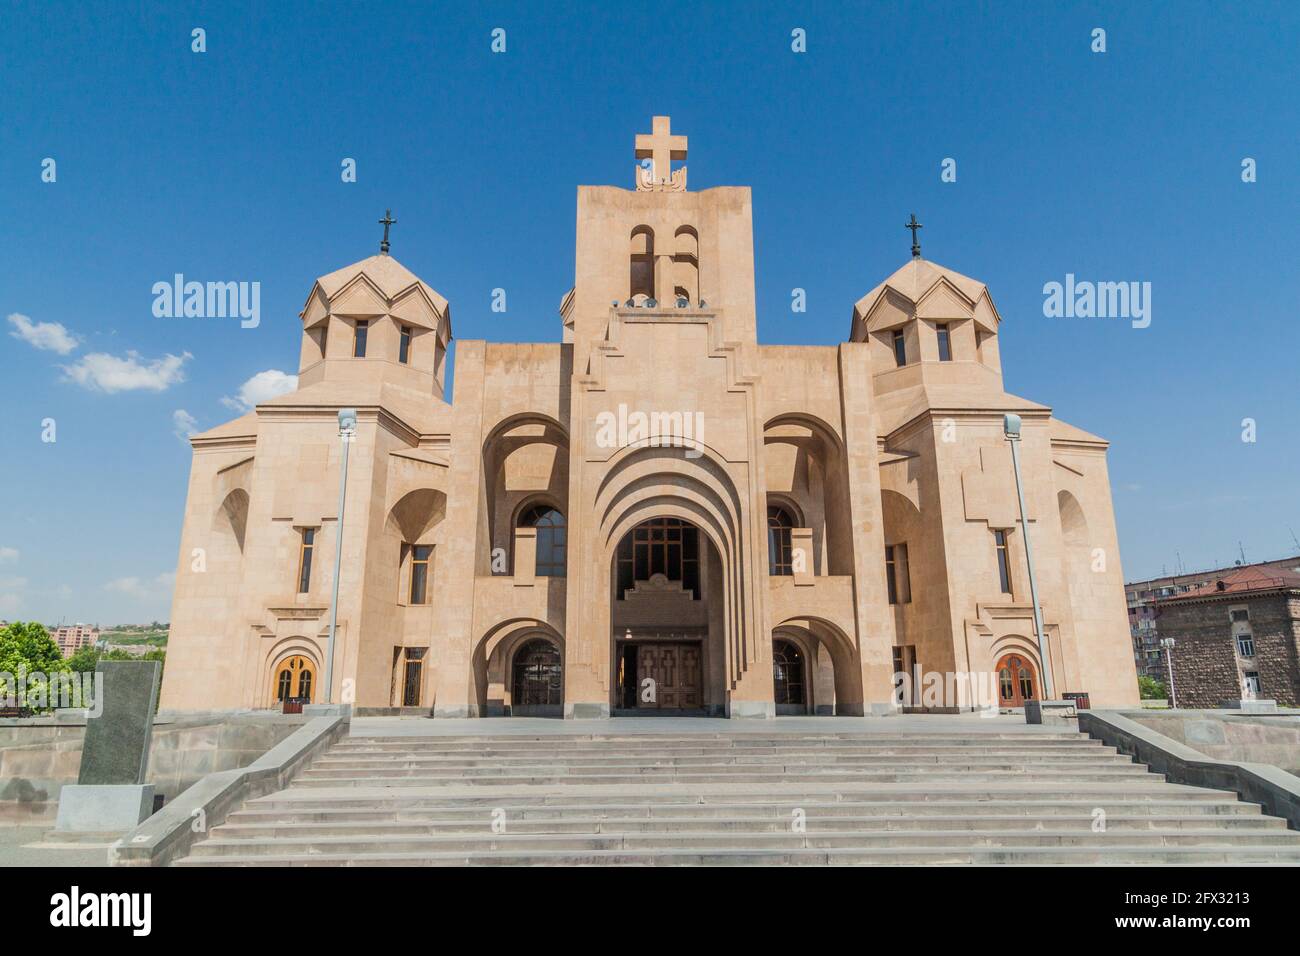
(375, 319)
(956, 560)
(928, 325)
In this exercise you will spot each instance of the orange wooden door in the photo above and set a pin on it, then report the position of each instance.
(1016, 681)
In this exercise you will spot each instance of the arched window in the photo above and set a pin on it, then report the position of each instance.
(538, 675)
(642, 263)
(787, 674)
(551, 539)
(667, 546)
(294, 678)
(780, 542)
(686, 264)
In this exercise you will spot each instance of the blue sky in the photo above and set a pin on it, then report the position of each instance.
(225, 165)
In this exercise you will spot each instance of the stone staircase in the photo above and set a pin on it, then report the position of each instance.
(763, 798)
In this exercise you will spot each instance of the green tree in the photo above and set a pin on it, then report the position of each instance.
(26, 648)
(1151, 689)
(85, 659)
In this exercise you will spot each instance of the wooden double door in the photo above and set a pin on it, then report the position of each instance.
(674, 668)
(1017, 682)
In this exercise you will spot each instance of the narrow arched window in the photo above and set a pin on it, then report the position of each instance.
(641, 280)
(551, 539)
(780, 540)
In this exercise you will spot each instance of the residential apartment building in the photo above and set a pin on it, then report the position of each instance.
(1236, 637)
(73, 637)
(1142, 598)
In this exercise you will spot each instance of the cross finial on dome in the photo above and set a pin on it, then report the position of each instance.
(387, 221)
(916, 245)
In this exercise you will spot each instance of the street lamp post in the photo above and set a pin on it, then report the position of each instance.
(347, 429)
(1011, 426)
(1168, 644)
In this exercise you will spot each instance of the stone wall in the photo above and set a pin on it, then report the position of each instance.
(1207, 670)
(1226, 735)
(39, 755)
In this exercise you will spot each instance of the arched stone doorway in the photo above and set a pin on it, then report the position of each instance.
(667, 620)
(537, 680)
(789, 678)
(689, 481)
(812, 671)
(1017, 680)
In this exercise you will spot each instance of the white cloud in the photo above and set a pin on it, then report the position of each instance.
(101, 372)
(8, 554)
(262, 387)
(183, 424)
(47, 336)
(11, 597)
(143, 589)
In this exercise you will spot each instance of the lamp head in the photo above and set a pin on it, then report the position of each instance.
(347, 421)
(1011, 426)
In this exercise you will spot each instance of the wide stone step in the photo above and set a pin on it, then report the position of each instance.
(245, 828)
(548, 776)
(642, 743)
(658, 793)
(725, 841)
(409, 760)
(1116, 855)
(473, 813)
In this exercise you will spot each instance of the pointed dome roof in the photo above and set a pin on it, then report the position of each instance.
(915, 282)
(386, 273)
(382, 273)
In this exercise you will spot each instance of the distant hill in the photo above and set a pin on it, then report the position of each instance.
(131, 634)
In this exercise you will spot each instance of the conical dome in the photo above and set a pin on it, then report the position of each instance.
(927, 290)
(377, 286)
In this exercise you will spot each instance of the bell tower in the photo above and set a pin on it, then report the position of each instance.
(660, 249)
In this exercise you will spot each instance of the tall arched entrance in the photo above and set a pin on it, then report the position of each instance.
(667, 621)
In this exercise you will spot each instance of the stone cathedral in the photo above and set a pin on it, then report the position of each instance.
(653, 514)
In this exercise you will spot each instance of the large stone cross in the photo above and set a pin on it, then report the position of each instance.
(661, 147)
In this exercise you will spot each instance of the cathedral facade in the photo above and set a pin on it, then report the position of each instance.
(655, 513)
